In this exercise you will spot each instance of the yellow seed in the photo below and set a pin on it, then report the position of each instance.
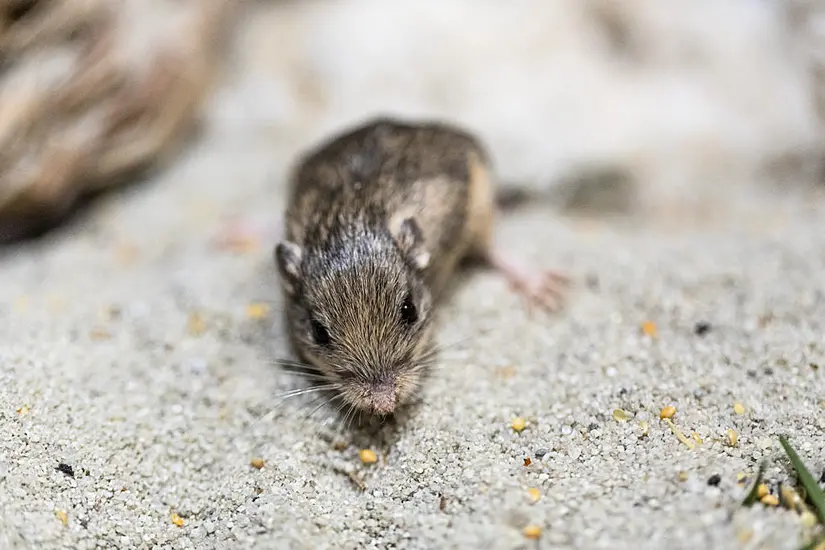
(176, 519)
(649, 328)
(534, 493)
(100, 334)
(645, 427)
(789, 497)
(770, 500)
(23, 410)
(619, 415)
(741, 476)
(808, 519)
(532, 532)
(738, 408)
(683, 476)
(196, 325)
(732, 438)
(367, 456)
(62, 516)
(667, 412)
(518, 424)
(257, 463)
(762, 490)
(697, 438)
(744, 535)
(257, 311)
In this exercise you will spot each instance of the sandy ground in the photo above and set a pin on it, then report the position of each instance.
(104, 370)
(127, 352)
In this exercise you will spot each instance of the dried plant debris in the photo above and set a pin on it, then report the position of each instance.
(92, 92)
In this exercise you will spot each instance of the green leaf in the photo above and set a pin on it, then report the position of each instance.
(815, 494)
(753, 494)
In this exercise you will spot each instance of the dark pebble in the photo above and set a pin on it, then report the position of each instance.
(701, 328)
(822, 477)
(541, 452)
(66, 469)
(714, 480)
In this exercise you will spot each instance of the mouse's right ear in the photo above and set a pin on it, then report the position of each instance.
(288, 259)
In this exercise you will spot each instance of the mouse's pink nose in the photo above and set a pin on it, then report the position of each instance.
(383, 396)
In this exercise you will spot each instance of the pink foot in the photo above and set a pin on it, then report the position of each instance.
(547, 289)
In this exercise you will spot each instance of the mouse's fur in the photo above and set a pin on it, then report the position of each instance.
(378, 219)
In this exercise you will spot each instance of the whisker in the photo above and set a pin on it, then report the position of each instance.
(304, 391)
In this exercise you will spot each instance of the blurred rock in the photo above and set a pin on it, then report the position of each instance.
(686, 99)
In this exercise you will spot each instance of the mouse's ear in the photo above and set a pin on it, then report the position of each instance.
(410, 241)
(288, 259)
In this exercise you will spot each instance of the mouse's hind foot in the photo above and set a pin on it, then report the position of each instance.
(545, 289)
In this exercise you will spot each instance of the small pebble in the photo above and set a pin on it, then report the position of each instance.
(367, 456)
(701, 328)
(541, 452)
(667, 412)
(714, 480)
(518, 424)
(66, 469)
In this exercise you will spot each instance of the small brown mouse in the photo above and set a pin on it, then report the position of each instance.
(378, 220)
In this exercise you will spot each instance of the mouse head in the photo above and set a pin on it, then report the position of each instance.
(359, 310)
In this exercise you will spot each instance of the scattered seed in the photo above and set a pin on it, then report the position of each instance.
(62, 516)
(257, 463)
(701, 328)
(357, 481)
(442, 503)
(667, 412)
(176, 519)
(770, 500)
(506, 372)
(762, 490)
(339, 445)
(196, 325)
(714, 480)
(22, 411)
(697, 438)
(518, 424)
(527, 461)
(679, 435)
(738, 408)
(808, 519)
(790, 498)
(649, 328)
(257, 311)
(619, 415)
(367, 456)
(744, 535)
(100, 334)
(645, 425)
(66, 469)
(534, 494)
(683, 476)
(732, 438)
(532, 532)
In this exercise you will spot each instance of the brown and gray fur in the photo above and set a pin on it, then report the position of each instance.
(379, 214)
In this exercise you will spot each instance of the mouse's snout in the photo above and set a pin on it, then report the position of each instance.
(383, 395)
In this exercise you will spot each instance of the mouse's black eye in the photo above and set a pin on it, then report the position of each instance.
(408, 312)
(319, 333)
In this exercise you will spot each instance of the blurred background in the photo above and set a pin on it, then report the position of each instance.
(638, 106)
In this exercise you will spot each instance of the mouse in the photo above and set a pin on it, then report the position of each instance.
(379, 219)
